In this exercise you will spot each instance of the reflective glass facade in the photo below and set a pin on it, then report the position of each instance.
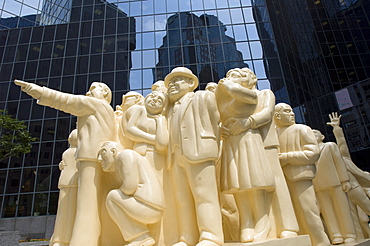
(313, 55)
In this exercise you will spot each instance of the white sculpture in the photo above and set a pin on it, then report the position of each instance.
(147, 173)
(147, 129)
(96, 125)
(330, 192)
(130, 99)
(193, 150)
(244, 169)
(139, 201)
(67, 185)
(298, 153)
(358, 180)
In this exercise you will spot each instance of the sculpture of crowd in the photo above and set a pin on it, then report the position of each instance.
(181, 168)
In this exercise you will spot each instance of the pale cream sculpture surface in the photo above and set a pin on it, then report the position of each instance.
(193, 150)
(147, 128)
(284, 221)
(67, 185)
(358, 179)
(129, 99)
(139, 201)
(244, 169)
(298, 153)
(95, 125)
(330, 184)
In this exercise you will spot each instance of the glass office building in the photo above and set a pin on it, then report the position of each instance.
(313, 55)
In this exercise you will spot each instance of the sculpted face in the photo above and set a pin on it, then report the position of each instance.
(154, 102)
(286, 115)
(97, 90)
(178, 87)
(107, 157)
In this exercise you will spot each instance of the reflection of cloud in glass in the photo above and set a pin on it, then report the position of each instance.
(343, 99)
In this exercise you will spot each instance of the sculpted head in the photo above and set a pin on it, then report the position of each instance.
(159, 86)
(155, 102)
(107, 155)
(179, 82)
(318, 135)
(131, 98)
(211, 86)
(101, 91)
(243, 76)
(284, 115)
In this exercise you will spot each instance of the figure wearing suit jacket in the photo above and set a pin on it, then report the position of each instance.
(194, 146)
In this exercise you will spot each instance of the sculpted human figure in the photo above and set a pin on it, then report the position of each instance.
(193, 150)
(244, 166)
(67, 185)
(147, 128)
(139, 201)
(298, 153)
(330, 192)
(358, 179)
(282, 214)
(130, 99)
(95, 125)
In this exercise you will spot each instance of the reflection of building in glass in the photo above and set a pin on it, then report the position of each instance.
(199, 43)
(17, 22)
(320, 47)
(55, 12)
(95, 45)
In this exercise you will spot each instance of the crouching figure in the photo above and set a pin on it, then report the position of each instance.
(139, 201)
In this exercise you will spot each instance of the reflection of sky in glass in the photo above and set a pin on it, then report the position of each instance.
(151, 19)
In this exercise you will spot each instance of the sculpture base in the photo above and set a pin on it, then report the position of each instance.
(303, 240)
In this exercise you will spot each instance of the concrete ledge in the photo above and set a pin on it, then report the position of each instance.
(9, 238)
(303, 240)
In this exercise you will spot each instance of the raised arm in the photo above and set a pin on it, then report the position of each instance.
(238, 92)
(339, 135)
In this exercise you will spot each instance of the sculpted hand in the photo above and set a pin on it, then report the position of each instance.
(239, 125)
(283, 158)
(118, 112)
(225, 132)
(31, 89)
(61, 165)
(346, 186)
(334, 119)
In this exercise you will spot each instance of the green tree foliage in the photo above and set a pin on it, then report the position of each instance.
(14, 137)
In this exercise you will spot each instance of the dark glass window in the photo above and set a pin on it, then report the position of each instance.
(49, 33)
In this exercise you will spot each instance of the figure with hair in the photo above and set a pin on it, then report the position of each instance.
(245, 171)
(147, 129)
(298, 152)
(139, 201)
(193, 150)
(129, 99)
(95, 125)
(330, 192)
(67, 185)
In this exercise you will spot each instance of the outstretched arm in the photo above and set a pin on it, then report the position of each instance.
(31, 89)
